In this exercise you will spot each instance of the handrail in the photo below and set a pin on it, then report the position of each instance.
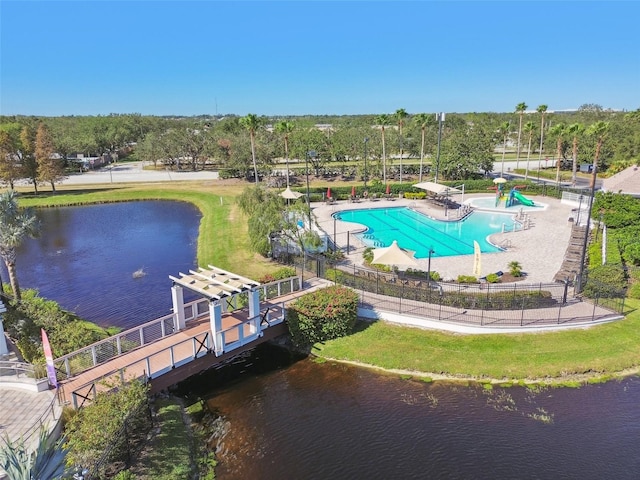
(31, 371)
(41, 421)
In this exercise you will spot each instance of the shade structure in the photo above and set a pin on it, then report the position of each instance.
(499, 180)
(290, 194)
(437, 188)
(394, 255)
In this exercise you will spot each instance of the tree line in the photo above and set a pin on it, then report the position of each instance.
(381, 146)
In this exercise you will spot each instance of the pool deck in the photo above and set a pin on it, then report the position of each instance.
(540, 248)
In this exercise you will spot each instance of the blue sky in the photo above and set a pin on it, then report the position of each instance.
(326, 57)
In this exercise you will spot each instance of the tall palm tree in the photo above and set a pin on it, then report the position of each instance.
(575, 130)
(15, 225)
(520, 109)
(528, 128)
(504, 129)
(559, 131)
(599, 130)
(384, 120)
(251, 122)
(401, 114)
(285, 128)
(422, 120)
(542, 110)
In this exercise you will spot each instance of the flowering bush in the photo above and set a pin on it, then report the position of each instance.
(322, 315)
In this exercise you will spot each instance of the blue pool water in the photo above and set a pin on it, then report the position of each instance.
(418, 232)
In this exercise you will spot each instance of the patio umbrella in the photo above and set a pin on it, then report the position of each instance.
(394, 255)
(388, 189)
(329, 192)
(353, 191)
(500, 180)
(437, 188)
(290, 194)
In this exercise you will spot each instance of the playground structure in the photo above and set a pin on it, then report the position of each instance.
(514, 197)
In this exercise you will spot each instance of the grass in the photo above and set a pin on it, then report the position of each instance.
(567, 357)
(168, 455)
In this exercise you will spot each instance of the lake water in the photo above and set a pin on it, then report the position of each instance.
(333, 421)
(85, 258)
(289, 418)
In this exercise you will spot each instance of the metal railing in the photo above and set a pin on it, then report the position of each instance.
(181, 353)
(46, 420)
(21, 372)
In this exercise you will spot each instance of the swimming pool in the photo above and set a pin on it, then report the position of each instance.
(418, 232)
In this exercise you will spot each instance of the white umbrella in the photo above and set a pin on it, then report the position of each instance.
(437, 188)
(394, 255)
(500, 180)
(290, 194)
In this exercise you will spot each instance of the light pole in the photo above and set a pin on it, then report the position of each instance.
(431, 252)
(312, 154)
(440, 118)
(366, 140)
(586, 230)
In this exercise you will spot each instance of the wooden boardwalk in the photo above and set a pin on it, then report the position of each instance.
(173, 358)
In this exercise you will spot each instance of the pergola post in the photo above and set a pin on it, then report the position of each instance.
(177, 298)
(215, 321)
(254, 302)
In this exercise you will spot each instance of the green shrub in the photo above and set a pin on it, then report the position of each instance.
(323, 315)
(467, 279)
(493, 278)
(66, 331)
(607, 281)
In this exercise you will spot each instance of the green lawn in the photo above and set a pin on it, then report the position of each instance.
(601, 351)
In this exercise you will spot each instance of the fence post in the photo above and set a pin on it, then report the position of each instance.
(566, 289)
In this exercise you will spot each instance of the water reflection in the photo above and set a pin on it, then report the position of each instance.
(85, 258)
(334, 421)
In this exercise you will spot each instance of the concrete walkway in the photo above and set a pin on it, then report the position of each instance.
(540, 249)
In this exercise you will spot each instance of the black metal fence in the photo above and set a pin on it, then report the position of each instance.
(480, 304)
(121, 449)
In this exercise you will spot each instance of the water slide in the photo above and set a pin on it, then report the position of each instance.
(522, 199)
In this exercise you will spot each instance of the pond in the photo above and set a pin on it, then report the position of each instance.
(86, 257)
(319, 421)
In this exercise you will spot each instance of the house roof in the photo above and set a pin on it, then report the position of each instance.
(626, 181)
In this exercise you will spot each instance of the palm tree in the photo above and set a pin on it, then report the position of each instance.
(600, 130)
(559, 131)
(422, 120)
(576, 130)
(285, 128)
(15, 225)
(504, 130)
(520, 109)
(528, 128)
(384, 120)
(542, 110)
(251, 122)
(401, 114)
